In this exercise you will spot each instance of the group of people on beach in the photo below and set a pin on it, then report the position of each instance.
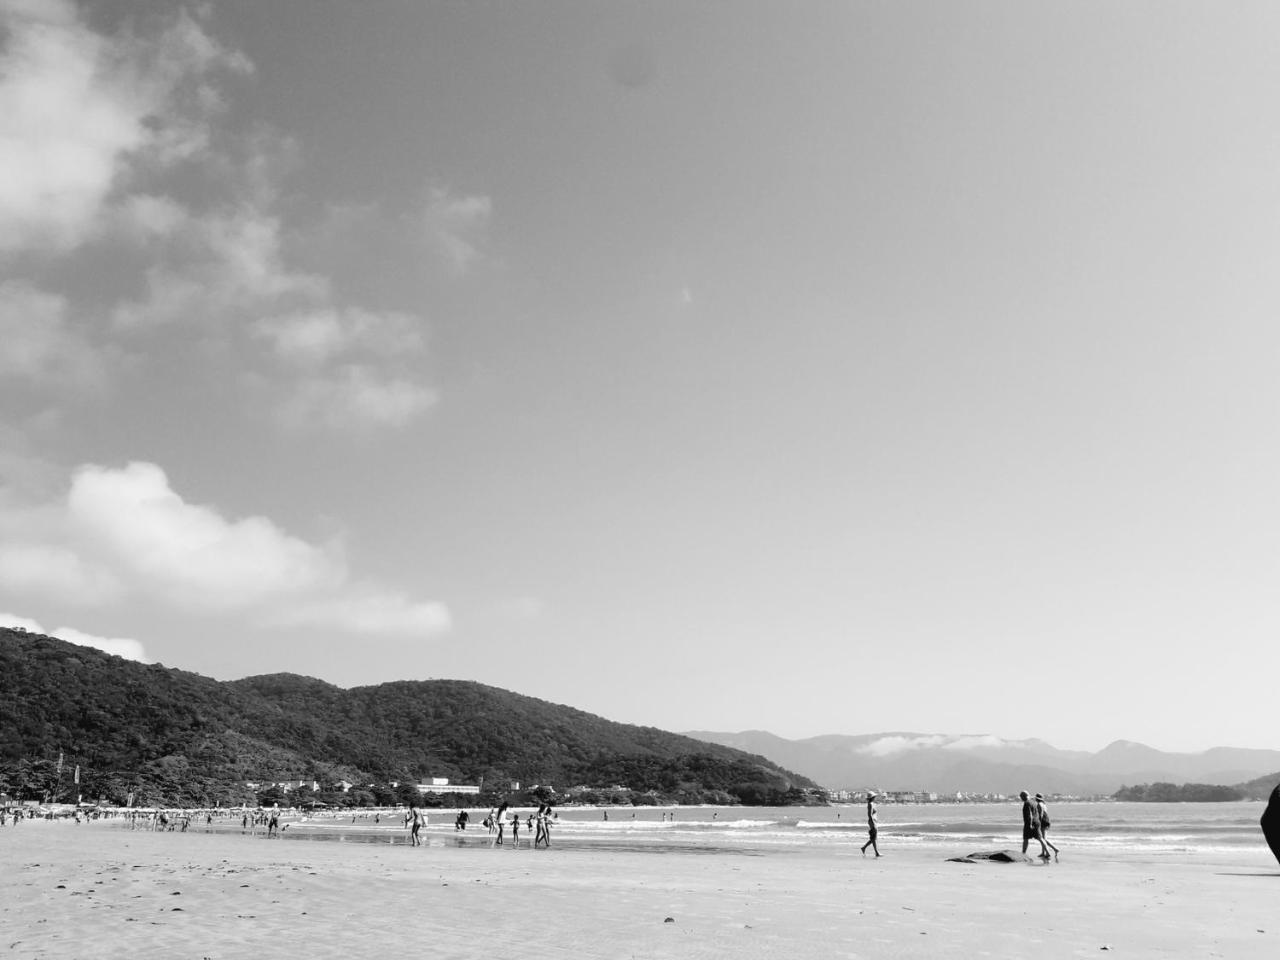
(1035, 825)
(496, 822)
(539, 822)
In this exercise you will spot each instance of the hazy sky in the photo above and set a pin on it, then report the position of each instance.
(810, 367)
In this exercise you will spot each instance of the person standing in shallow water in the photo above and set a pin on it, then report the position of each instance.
(872, 829)
(1031, 826)
(414, 818)
(1043, 813)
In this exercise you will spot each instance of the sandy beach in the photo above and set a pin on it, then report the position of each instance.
(102, 890)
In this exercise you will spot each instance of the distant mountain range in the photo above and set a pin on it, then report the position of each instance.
(947, 763)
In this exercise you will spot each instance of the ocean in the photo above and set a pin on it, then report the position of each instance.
(1153, 828)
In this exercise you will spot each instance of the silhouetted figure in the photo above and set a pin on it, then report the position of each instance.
(1271, 822)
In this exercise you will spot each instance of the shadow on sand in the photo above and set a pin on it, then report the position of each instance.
(1274, 876)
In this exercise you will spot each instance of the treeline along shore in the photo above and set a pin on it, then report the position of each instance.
(79, 723)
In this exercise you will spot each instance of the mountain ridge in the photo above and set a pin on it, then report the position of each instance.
(982, 763)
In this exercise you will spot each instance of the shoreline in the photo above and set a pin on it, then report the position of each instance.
(100, 890)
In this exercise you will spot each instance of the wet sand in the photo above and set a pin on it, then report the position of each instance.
(102, 890)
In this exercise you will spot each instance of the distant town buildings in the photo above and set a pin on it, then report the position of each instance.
(442, 785)
(433, 785)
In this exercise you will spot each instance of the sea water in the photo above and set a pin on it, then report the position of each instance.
(964, 827)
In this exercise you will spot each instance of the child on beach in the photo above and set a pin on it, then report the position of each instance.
(515, 829)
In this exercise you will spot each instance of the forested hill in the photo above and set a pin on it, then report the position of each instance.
(172, 736)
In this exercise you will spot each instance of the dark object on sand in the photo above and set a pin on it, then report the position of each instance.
(995, 856)
(1271, 822)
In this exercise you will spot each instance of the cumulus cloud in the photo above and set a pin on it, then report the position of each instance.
(188, 551)
(119, 646)
(129, 534)
(78, 108)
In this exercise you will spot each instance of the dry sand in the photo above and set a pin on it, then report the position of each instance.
(101, 890)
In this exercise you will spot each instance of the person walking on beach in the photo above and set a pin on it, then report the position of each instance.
(1043, 813)
(872, 830)
(414, 819)
(515, 829)
(1031, 826)
(499, 822)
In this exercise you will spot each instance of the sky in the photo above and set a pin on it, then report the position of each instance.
(813, 367)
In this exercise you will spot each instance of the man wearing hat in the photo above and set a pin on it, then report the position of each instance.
(871, 824)
(1043, 813)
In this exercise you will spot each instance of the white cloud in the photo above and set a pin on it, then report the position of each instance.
(316, 337)
(366, 610)
(456, 226)
(36, 341)
(126, 535)
(188, 551)
(357, 367)
(76, 108)
(355, 396)
(92, 126)
(974, 742)
(885, 746)
(119, 646)
(57, 571)
(221, 266)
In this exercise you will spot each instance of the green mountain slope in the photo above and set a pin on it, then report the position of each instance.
(171, 736)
